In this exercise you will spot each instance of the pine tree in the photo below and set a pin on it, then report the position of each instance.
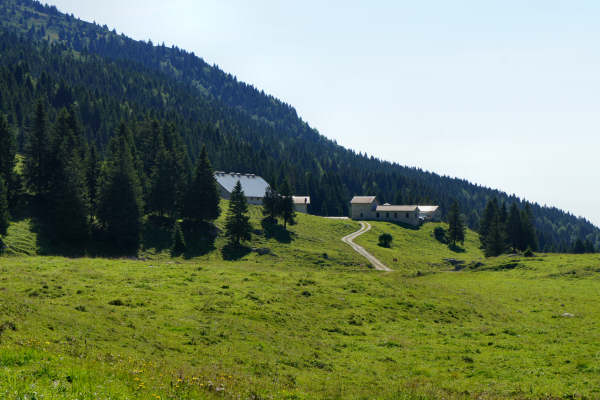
(36, 153)
(120, 197)
(271, 203)
(7, 150)
(162, 184)
(496, 238)
(514, 229)
(202, 199)
(178, 247)
(237, 225)
(487, 219)
(528, 229)
(66, 191)
(3, 209)
(456, 225)
(286, 205)
(92, 176)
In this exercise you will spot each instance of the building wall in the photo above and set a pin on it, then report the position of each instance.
(361, 211)
(301, 208)
(257, 201)
(410, 217)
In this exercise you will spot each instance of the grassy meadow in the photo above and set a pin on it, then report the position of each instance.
(309, 320)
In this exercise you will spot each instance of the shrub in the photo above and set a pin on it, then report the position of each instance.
(385, 240)
(440, 234)
(529, 252)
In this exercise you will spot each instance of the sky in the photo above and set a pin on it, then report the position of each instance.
(504, 93)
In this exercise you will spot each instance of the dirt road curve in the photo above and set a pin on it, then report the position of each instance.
(364, 227)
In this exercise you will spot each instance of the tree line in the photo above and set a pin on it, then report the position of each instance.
(111, 78)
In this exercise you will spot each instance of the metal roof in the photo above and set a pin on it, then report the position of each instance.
(301, 199)
(362, 199)
(428, 209)
(397, 208)
(252, 185)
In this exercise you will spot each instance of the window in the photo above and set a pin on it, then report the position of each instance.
(377, 215)
(387, 214)
(407, 215)
(361, 215)
(396, 215)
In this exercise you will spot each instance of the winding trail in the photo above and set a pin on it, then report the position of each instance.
(364, 227)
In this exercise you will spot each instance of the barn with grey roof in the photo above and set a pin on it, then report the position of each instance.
(254, 186)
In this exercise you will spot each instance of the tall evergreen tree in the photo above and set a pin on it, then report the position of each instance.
(163, 182)
(237, 225)
(120, 205)
(66, 196)
(271, 204)
(456, 225)
(7, 150)
(495, 242)
(286, 207)
(3, 208)
(529, 235)
(92, 175)
(514, 228)
(487, 219)
(36, 152)
(202, 199)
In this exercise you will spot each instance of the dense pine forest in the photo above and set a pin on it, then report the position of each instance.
(104, 88)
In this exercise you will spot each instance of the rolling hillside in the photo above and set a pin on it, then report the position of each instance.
(309, 320)
(64, 61)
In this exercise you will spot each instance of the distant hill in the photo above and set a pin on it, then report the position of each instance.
(56, 57)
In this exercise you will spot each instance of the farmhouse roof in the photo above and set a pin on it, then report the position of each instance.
(301, 199)
(428, 209)
(252, 185)
(362, 199)
(397, 208)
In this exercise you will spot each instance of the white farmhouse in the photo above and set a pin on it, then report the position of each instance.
(254, 186)
(368, 208)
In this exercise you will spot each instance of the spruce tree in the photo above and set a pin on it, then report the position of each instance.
(271, 203)
(495, 242)
(237, 225)
(3, 209)
(162, 194)
(120, 197)
(286, 207)
(178, 247)
(514, 229)
(66, 193)
(92, 176)
(456, 225)
(487, 219)
(7, 150)
(36, 152)
(202, 199)
(528, 229)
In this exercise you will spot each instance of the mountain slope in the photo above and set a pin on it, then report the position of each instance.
(113, 78)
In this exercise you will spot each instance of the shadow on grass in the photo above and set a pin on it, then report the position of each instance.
(456, 248)
(157, 233)
(401, 224)
(233, 252)
(275, 231)
(199, 238)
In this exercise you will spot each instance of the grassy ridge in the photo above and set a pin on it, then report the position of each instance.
(275, 326)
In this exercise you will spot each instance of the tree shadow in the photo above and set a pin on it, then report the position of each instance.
(199, 238)
(234, 252)
(275, 231)
(157, 233)
(456, 248)
(403, 225)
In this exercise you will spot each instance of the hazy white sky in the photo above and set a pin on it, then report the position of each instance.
(505, 94)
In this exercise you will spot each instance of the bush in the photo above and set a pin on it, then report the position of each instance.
(440, 234)
(385, 240)
(529, 252)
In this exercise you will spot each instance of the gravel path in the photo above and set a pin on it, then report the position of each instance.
(364, 227)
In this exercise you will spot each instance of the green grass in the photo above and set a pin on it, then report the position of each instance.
(417, 250)
(297, 325)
